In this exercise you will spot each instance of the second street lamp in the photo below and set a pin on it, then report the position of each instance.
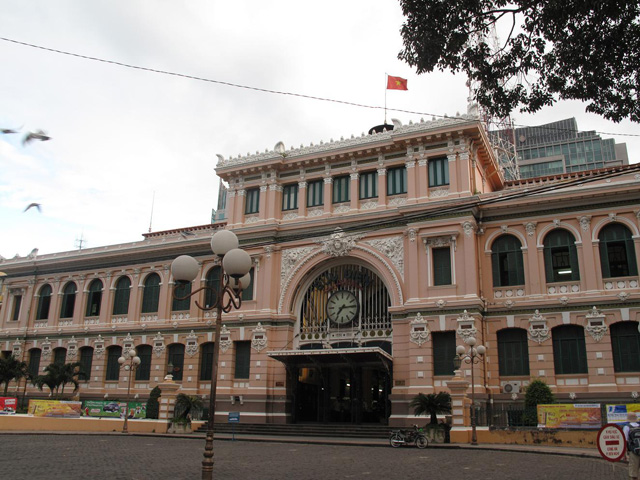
(129, 362)
(472, 356)
(227, 295)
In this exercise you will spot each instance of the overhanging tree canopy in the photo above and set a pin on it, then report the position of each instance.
(557, 49)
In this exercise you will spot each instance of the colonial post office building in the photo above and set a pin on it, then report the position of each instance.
(374, 256)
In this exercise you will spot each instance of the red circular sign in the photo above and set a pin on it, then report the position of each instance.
(611, 443)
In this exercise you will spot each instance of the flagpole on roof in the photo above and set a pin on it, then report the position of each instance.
(386, 80)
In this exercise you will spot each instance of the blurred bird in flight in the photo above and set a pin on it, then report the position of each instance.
(37, 135)
(31, 205)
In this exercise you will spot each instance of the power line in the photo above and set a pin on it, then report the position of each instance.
(265, 90)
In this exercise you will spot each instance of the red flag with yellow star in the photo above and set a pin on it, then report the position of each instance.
(396, 83)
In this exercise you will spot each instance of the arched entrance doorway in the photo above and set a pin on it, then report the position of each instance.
(340, 368)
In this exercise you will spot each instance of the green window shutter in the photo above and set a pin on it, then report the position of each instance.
(185, 304)
(441, 266)
(176, 358)
(17, 301)
(94, 299)
(290, 197)
(315, 193)
(369, 185)
(341, 189)
(143, 372)
(247, 293)
(60, 356)
(113, 367)
(151, 294)
(625, 344)
(68, 301)
(252, 201)
(243, 359)
(86, 361)
(513, 352)
(444, 350)
(206, 361)
(34, 361)
(569, 350)
(121, 298)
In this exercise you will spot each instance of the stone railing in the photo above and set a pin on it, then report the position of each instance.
(562, 288)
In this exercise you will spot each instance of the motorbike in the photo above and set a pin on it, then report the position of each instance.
(413, 436)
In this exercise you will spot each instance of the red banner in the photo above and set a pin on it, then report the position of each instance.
(8, 405)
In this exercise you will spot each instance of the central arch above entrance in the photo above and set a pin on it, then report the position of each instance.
(341, 369)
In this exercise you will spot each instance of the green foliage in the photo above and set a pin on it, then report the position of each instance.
(431, 404)
(538, 393)
(187, 406)
(153, 405)
(555, 50)
(11, 369)
(57, 376)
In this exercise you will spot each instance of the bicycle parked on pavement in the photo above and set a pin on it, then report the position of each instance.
(413, 436)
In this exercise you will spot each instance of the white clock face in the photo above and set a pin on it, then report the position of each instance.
(342, 307)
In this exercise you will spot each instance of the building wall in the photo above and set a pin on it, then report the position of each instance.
(393, 235)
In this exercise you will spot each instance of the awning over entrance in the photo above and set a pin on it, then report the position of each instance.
(334, 357)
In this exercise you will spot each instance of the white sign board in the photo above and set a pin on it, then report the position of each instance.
(611, 443)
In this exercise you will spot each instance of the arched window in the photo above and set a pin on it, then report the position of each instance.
(86, 361)
(182, 291)
(206, 361)
(617, 254)
(143, 371)
(113, 367)
(561, 256)
(68, 300)
(176, 360)
(121, 297)
(625, 343)
(444, 350)
(151, 295)
(212, 281)
(60, 356)
(569, 350)
(513, 352)
(94, 299)
(506, 261)
(44, 302)
(34, 361)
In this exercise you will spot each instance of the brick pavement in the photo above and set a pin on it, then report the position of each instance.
(116, 457)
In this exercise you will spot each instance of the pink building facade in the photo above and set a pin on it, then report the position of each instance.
(373, 258)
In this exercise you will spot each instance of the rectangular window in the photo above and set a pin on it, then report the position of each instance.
(396, 181)
(290, 197)
(252, 201)
(444, 350)
(438, 172)
(143, 372)
(86, 360)
(341, 189)
(441, 266)
(315, 193)
(113, 367)
(15, 313)
(34, 362)
(243, 359)
(247, 292)
(369, 185)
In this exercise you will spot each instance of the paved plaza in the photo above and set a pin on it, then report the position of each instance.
(115, 457)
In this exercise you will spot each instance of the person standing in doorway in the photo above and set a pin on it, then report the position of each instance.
(632, 435)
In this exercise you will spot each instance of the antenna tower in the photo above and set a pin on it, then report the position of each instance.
(80, 242)
(500, 130)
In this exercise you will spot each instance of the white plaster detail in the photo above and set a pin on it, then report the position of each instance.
(441, 303)
(438, 192)
(419, 330)
(290, 258)
(538, 328)
(338, 244)
(468, 228)
(191, 347)
(585, 222)
(290, 216)
(342, 208)
(368, 205)
(225, 339)
(259, 338)
(252, 219)
(393, 248)
(397, 201)
(158, 345)
(99, 348)
(466, 326)
(530, 228)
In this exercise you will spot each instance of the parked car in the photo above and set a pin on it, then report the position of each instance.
(111, 407)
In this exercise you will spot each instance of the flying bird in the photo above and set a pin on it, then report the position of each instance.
(37, 135)
(31, 205)
(6, 131)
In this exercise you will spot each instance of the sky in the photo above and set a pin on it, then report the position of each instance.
(124, 140)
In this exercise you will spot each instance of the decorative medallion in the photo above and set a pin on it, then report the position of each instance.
(46, 348)
(225, 339)
(585, 222)
(158, 345)
(538, 328)
(419, 330)
(530, 228)
(468, 228)
(339, 244)
(16, 351)
(98, 347)
(466, 326)
(596, 324)
(192, 344)
(72, 349)
(259, 338)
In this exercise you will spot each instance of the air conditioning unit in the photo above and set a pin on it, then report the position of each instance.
(511, 387)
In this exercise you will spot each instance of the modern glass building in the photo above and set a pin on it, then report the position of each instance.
(559, 147)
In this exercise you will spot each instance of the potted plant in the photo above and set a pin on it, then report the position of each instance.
(433, 404)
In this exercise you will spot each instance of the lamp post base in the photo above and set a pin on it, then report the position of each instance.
(207, 463)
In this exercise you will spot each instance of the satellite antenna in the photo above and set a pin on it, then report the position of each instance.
(80, 242)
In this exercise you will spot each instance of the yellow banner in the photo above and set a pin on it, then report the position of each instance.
(579, 415)
(54, 408)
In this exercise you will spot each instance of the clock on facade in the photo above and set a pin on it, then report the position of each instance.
(342, 307)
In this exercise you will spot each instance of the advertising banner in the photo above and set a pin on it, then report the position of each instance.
(54, 408)
(101, 408)
(578, 415)
(8, 405)
(618, 413)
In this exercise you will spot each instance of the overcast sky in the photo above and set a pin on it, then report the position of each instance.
(119, 135)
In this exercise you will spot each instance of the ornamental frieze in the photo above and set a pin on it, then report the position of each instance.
(392, 248)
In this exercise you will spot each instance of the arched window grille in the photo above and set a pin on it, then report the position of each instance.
(121, 297)
(617, 253)
(44, 303)
(507, 263)
(561, 257)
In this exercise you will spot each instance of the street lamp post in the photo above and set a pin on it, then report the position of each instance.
(129, 362)
(234, 274)
(472, 356)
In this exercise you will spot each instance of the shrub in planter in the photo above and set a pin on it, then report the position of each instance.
(153, 405)
(538, 393)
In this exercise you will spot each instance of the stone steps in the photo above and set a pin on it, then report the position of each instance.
(302, 430)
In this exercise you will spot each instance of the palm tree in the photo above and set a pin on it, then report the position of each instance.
(431, 404)
(11, 369)
(58, 375)
(187, 405)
